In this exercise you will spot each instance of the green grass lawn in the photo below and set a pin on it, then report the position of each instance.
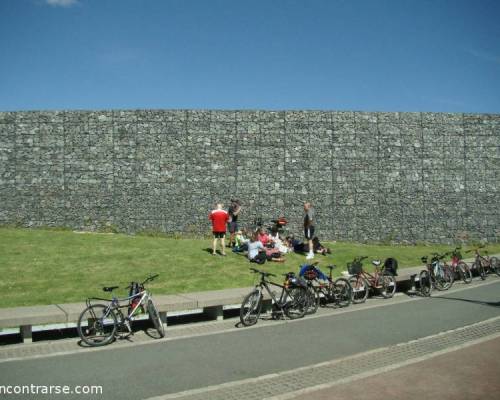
(50, 267)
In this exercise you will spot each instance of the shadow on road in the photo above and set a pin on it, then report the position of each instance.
(485, 303)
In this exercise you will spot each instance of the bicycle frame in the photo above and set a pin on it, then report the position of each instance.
(265, 284)
(115, 304)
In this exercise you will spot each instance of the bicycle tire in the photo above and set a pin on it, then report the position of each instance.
(97, 325)
(495, 265)
(342, 292)
(388, 286)
(480, 269)
(425, 283)
(250, 308)
(360, 289)
(464, 272)
(443, 279)
(154, 316)
(312, 301)
(296, 303)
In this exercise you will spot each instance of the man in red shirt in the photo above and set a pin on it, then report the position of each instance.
(219, 218)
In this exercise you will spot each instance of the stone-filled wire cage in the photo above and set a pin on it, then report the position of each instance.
(370, 176)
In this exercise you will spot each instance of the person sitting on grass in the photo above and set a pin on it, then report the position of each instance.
(299, 246)
(240, 241)
(257, 253)
(278, 243)
(263, 237)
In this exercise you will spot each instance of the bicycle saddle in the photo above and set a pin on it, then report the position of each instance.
(331, 266)
(109, 288)
(376, 262)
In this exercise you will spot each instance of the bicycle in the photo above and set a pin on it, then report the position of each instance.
(484, 264)
(99, 324)
(459, 267)
(338, 292)
(291, 303)
(422, 284)
(440, 277)
(362, 282)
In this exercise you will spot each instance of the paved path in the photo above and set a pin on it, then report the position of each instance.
(227, 357)
(467, 373)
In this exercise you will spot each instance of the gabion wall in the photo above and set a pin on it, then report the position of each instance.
(371, 176)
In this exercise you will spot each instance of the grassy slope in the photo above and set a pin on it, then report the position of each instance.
(48, 267)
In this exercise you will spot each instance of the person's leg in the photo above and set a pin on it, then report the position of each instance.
(214, 244)
(308, 233)
(223, 244)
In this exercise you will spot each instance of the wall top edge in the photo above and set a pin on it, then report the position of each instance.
(215, 110)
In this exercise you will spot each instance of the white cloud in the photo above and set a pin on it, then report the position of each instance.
(62, 3)
(485, 56)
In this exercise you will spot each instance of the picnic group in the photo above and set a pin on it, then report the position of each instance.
(259, 243)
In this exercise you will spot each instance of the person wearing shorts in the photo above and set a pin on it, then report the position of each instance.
(219, 218)
(309, 228)
(233, 211)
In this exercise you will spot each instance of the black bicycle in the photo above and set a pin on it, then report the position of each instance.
(291, 303)
(323, 288)
(99, 324)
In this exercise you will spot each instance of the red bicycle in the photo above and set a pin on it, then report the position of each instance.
(459, 267)
(362, 282)
(484, 264)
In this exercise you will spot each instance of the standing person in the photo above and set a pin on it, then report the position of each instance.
(233, 211)
(219, 218)
(309, 228)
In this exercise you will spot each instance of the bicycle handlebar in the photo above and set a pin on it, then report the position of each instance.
(475, 249)
(257, 271)
(150, 278)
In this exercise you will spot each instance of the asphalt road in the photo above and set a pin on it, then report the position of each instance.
(144, 371)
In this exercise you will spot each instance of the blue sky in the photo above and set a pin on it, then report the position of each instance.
(367, 55)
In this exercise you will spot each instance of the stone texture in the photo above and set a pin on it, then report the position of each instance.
(371, 176)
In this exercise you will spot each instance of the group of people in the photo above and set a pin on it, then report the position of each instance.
(262, 246)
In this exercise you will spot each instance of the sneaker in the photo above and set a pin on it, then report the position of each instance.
(310, 256)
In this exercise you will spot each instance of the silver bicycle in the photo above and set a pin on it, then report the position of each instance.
(99, 324)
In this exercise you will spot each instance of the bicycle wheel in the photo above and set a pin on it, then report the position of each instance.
(444, 278)
(359, 289)
(342, 292)
(250, 308)
(464, 272)
(296, 303)
(495, 265)
(97, 325)
(478, 265)
(312, 300)
(154, 316)
(425, 283)
(388, 286)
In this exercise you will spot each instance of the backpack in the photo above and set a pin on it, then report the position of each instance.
(391, 266)
(135, 288)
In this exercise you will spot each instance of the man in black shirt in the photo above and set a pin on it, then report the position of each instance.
(309, 228)
(233, 211)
